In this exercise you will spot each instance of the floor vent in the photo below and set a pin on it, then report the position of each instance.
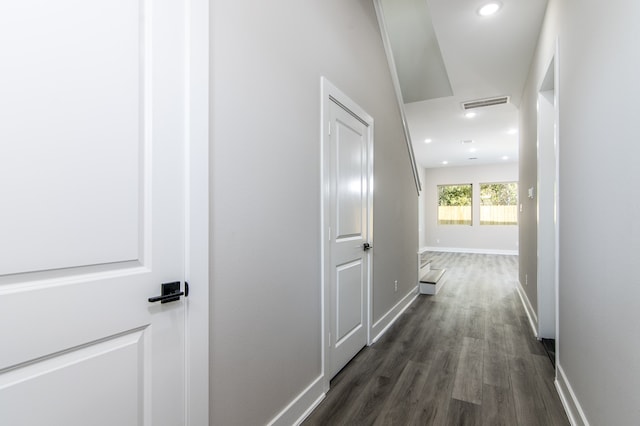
(479, 103)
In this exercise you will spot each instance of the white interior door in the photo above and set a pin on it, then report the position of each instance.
(350, 217)
(92, 219)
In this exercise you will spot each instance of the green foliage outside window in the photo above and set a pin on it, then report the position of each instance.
(499, 194)
(499, 203)
(454, 195)
(454, 204)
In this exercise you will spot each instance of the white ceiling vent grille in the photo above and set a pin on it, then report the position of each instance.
(479, 103)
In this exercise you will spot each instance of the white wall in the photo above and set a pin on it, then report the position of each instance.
(476, 238)
(599, 289)
(266, 63)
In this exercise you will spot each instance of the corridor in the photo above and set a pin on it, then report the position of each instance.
(466, 356)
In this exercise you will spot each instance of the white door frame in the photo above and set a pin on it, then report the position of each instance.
(197, 214)
(330, 93)
(548, 261)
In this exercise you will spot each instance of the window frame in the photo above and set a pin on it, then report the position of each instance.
(465, 222)
(514, 214)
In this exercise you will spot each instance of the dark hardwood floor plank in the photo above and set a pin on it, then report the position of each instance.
(528, 403)
(411, 337)
(497, 406)
(405, 396)
(467, 385)
(552, 403)
(368, 405)
(428, 342)
(434, 403)
(495, 366)
(494, 334)
(461, 413)
(509, 307)
(475, 322)
(393, 334)
(516, 343)
(451, 328)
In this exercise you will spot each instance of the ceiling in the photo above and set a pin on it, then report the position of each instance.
(445, 54)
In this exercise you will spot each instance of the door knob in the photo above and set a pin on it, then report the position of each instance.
(170, 293)
(366, 246)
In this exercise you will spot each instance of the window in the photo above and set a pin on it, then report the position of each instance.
(499, 203)
(454, 204)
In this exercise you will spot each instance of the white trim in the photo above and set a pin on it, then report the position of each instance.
(531, 313)
(384, 323)
(569, 401)
(197, 212)
(324, 236)
(557, 199)
(470, 250)
(310, 410)
(301, 406)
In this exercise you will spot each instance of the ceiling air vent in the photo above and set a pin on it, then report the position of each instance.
(479, 103)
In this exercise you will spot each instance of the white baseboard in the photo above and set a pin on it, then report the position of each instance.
(569, 401)
(531, 313)
(470, 250)
(301, 406)
(383, 324)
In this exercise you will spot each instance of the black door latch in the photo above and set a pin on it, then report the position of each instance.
(171, 292)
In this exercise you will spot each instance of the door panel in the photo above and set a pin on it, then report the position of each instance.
(85, 370)
(92, 174)
(65, 69)
(349, 263)
(350, 164)
(349, 289)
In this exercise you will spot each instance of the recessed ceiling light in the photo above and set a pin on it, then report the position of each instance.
(472, 150)
(470, 114)
(428, 141)
(489, 9)
(445, 162)
(504, 157)
(512, 131)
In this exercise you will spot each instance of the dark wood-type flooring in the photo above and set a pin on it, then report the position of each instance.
(466, 356)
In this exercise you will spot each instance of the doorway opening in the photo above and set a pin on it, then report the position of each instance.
(547, 210)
